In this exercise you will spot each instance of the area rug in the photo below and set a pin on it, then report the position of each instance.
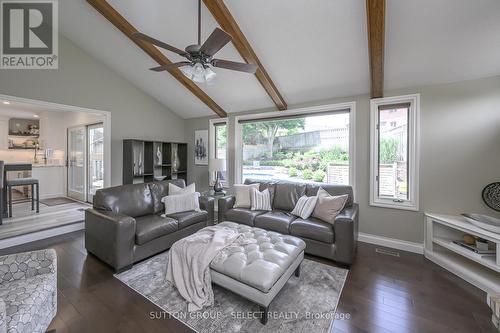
(305, 304)
(57, 201)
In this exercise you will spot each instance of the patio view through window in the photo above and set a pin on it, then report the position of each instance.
(307, 148)
(393, 152)
(221, 146)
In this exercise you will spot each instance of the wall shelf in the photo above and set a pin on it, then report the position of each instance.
(145, 161)
(481, 271)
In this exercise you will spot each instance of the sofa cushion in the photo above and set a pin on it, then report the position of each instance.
(160, 190)
(276, 220)
(312, 228)
(132, 200)
(151, 227)
(287, 194)
(191, 217)
(335, 190)
(243, 215)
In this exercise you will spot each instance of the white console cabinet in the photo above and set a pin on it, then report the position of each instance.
(441, 230)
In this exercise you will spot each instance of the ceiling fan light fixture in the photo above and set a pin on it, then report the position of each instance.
(198, 73)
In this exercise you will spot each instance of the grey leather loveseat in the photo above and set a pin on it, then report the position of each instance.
(125, 225)
(337, 242)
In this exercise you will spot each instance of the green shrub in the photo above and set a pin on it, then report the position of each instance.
(292, 172)
(307, 174)
(319, 176)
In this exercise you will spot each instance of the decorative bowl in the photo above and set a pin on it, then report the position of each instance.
(484, 222)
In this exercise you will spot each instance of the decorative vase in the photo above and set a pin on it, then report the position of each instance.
(158, 155)
(175, 161)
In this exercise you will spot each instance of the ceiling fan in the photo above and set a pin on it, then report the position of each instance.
(200, 57)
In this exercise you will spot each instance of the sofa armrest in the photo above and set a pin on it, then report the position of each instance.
(110, 236)
(35, 263)
(346, 234)
(225, 204)
(208, 203)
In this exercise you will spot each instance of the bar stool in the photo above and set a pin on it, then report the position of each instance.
(9, 184)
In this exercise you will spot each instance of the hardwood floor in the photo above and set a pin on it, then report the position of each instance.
(383, 293)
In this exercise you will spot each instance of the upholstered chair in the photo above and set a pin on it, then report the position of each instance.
(28, 291)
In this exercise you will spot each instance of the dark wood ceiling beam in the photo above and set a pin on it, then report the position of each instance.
(128, 29)
(375, 15)
(227, 22)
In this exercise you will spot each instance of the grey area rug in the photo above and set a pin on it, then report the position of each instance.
(305, 304)
(57, 201)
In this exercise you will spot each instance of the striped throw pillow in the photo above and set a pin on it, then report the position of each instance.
(305, 206)
(261, 200)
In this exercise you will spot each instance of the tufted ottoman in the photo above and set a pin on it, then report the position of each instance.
(260, 267)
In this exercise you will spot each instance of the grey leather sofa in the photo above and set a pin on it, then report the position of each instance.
(125, 225)
(336, 242)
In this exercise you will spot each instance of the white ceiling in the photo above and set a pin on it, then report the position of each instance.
(313, 50)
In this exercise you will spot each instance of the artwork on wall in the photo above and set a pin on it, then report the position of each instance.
(201, 147)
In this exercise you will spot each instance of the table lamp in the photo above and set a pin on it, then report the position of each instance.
(217, 165)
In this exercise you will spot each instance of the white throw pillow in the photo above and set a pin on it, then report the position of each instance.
(243, 195)
(181, 203)
(261, 200)
(176, 190)
(305, 206)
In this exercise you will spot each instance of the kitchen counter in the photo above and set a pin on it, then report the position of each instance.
(48, 165)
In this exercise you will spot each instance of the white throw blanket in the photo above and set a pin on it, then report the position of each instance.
(188, 264)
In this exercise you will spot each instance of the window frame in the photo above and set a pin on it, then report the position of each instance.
(238, 167)
(413, 152)
(212, 147)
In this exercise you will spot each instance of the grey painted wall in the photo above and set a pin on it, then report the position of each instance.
(460, 154)
(85, 82)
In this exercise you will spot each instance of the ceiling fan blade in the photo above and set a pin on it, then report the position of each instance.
(215, 42)
(235, 66)
(170, 66)
(146, 38)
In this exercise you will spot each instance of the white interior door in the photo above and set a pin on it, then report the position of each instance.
(95, 148)
(77, 162)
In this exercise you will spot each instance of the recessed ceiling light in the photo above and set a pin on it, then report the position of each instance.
(6, 102)
(35, 116)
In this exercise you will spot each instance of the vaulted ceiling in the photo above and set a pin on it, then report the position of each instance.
(312, 50)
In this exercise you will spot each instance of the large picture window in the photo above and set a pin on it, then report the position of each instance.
(394, 152)
(309, 145)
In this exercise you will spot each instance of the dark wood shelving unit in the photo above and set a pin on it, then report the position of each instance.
(147, 161)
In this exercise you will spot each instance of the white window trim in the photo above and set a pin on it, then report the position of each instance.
(413, 152)
(212, 148)
(238, 168)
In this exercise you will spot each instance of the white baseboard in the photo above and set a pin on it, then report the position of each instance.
(392, 243)
(43, 234)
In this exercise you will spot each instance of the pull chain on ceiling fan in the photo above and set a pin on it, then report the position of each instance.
(200, 57)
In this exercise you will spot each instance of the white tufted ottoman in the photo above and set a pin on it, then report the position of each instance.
(257, 271)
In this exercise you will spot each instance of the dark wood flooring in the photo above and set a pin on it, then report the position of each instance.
(383, 293)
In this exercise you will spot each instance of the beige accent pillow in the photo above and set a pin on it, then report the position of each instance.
(243, 195)
(176, 190)
(328, 206)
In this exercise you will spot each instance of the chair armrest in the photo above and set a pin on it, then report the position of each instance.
(35, 263)
(225, 204)
(208, 203)
(3, 317)
(110, 236)
(346, 234)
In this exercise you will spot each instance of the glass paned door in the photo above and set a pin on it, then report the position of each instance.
(77, 157)
(95, 159)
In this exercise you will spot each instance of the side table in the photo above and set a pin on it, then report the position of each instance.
(216, 196)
